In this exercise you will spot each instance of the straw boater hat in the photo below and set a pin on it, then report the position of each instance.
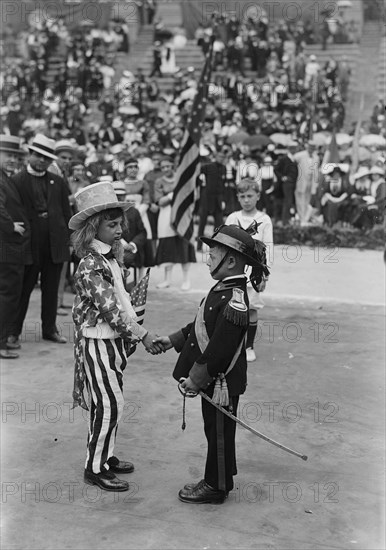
(236, 238)
(95, 198)
(64, 145)
(119, 188)
(44, 146)
(11, 144)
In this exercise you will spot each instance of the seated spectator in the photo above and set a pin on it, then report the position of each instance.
(376, 209)
(360, 196)
(334, 194)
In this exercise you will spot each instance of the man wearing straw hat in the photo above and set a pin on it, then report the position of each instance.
(46, 198)
(14, 243)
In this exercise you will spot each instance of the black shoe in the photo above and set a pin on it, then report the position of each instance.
(13, 342)
(120, 466)
(8, 354)
(190, 486)
(55, 337)
(105, 480)
(202, 493)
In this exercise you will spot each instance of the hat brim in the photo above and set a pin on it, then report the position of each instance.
(77, 220)
(14, 151)
(214, 242)
(41, 152)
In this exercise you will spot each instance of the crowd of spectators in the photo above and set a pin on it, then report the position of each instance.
(286, 101)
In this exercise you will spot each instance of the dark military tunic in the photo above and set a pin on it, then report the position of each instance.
(226, 330)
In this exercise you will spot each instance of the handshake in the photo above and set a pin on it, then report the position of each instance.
(155, 344)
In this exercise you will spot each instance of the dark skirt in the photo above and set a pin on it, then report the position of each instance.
(175, 250)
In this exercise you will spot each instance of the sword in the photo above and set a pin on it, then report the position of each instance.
(191, 393)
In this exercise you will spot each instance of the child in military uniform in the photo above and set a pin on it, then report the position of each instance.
(212, 354)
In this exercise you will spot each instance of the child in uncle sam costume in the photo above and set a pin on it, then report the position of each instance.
(212, 353)
(107, 328)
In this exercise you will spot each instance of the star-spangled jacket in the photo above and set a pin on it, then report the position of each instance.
(225, 337)
(95, 301)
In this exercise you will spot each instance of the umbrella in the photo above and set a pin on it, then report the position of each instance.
(324, 138)
(256, 141)
(128, 110)
(363, 154)
(321, 138)
(343, 139)
(280, 138)
(238, 137)
(372, 140)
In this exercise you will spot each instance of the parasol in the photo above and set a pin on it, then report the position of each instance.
(256, 141)
(128, 110)
(280, 139)
(238, 137)
(372, 140)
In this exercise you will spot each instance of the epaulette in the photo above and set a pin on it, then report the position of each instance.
(227, 285)
(236, 310)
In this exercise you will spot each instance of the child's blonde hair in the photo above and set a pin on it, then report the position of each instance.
(248, 184)
(83, 237)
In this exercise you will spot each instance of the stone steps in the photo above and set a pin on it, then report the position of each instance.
(366, 81)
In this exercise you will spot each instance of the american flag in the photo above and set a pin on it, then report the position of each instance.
(188, 168)
(138, 297)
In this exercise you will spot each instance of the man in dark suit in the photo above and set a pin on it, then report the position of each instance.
(15, 250)
(286, 172)
(212, 190)
(46, 198)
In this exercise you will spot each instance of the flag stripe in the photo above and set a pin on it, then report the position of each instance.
(184, 195)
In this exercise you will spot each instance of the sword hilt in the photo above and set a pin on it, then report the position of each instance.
(184, 392)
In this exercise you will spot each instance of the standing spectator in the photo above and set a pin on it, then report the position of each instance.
(286, 172)
(212, 193)
(101, 166)
(149, 188)
(311, 71)
(172, 249)
(248, 195)
(14, 245)
(157, 60)
(134, 233)
(307, 180)
(64, 150)
(46, 198)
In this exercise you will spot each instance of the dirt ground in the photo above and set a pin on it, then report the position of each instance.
(317, 386)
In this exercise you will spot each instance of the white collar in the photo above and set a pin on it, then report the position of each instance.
(241, 276)
(100, 246)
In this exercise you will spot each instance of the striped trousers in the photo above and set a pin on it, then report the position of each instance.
(104, 363)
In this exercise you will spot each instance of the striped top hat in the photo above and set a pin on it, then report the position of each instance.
(95, 198)
(44, 146)
(11, 144)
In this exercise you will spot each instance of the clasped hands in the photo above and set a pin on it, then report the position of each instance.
(155, 344)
